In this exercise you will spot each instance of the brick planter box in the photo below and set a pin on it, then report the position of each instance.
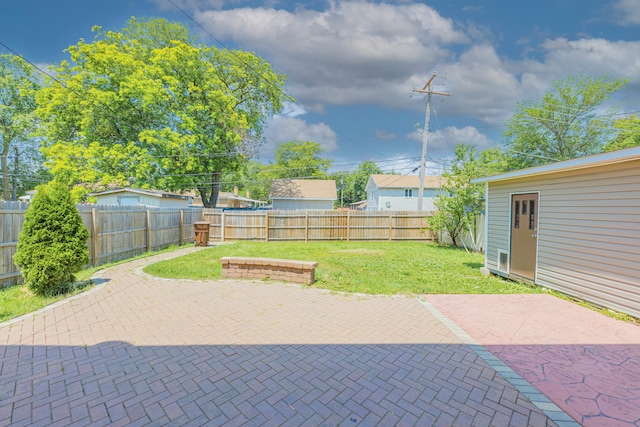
(269, 268)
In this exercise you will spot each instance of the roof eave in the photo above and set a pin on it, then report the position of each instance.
(602, 159)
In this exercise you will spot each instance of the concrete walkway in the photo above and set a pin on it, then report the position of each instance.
(138, 350)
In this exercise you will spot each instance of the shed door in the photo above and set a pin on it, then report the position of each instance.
(524, 235)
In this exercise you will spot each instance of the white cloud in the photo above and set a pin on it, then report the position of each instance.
(353, 52)
(597, 56)
(284, 129)
(629, 11)
(442, 143)
(292, 110)
(360, 53)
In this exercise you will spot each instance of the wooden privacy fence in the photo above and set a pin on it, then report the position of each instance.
(316, 225)
(115, 232)
(121, 232)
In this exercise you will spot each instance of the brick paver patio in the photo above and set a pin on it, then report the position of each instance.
(138, 350)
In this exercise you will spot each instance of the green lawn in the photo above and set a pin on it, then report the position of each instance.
(18, 300)
(366, 267)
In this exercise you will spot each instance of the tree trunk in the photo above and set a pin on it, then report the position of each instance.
(6, 184)
(215, 188)
(210, 195)
(14, 186)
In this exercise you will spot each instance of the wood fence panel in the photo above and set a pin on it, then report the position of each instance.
(11, 220)
(249, 225)
(115, 232)
(316, 225)
(410, 226)
(122, 233)
(327, 225)
(190, 216)
(368, 225)
(214, 218)
(288, 226)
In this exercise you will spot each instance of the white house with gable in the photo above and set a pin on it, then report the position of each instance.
(400, 192)
(137, 197)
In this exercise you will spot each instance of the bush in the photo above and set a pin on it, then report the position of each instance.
(53, 241)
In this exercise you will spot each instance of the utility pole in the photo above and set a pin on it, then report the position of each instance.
(426, 89)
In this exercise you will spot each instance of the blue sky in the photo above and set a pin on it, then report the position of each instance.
(352, 65)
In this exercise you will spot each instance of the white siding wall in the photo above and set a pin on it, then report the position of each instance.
(588, 232)
(172, 203)
(292, 205)
(107, 199)
(145, 200)
(395, 197)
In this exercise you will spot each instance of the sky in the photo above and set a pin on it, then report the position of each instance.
(351, 66)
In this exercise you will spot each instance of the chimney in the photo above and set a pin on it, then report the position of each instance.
(235, 191)
(248, 194)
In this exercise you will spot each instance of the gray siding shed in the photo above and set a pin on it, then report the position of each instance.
(588, 235)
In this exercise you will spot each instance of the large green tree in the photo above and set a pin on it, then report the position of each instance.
(460, 201)
(563, 124)
(18, 86)
(628, 134)
(351, 186)
(147, 107)
(298, 159)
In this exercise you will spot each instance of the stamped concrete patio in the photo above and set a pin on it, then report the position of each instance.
(138, 350)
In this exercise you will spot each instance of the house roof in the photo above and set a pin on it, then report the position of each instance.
(603, 159)
(152, 193)
(361, 203)
(231, 196)
(405, 181)
(317, 189)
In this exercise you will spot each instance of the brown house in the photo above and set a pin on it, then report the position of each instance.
(303, 194)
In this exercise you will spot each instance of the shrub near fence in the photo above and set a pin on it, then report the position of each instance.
(115, 232)
(316, 225)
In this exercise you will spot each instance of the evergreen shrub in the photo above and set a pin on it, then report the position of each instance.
(53, 241)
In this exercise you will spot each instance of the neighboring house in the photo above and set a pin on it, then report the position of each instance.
(28, 196)
(136, 196)
(230, 200)
(572, 226)
(400, 192)
(233, 200)
(358, 206)
(303, 194)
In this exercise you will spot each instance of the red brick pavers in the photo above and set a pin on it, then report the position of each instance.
(144, 351)
(586, 363)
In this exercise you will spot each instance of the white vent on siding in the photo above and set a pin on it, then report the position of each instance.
(503, 260)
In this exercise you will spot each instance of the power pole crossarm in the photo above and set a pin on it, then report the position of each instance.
(426, 90)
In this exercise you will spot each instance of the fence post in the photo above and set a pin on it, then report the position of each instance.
(148, 230)
(95, 242)
(390, 226)
(348, 225)
(181, 228)
(222, 226)
(266, 226)
(306, 226)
